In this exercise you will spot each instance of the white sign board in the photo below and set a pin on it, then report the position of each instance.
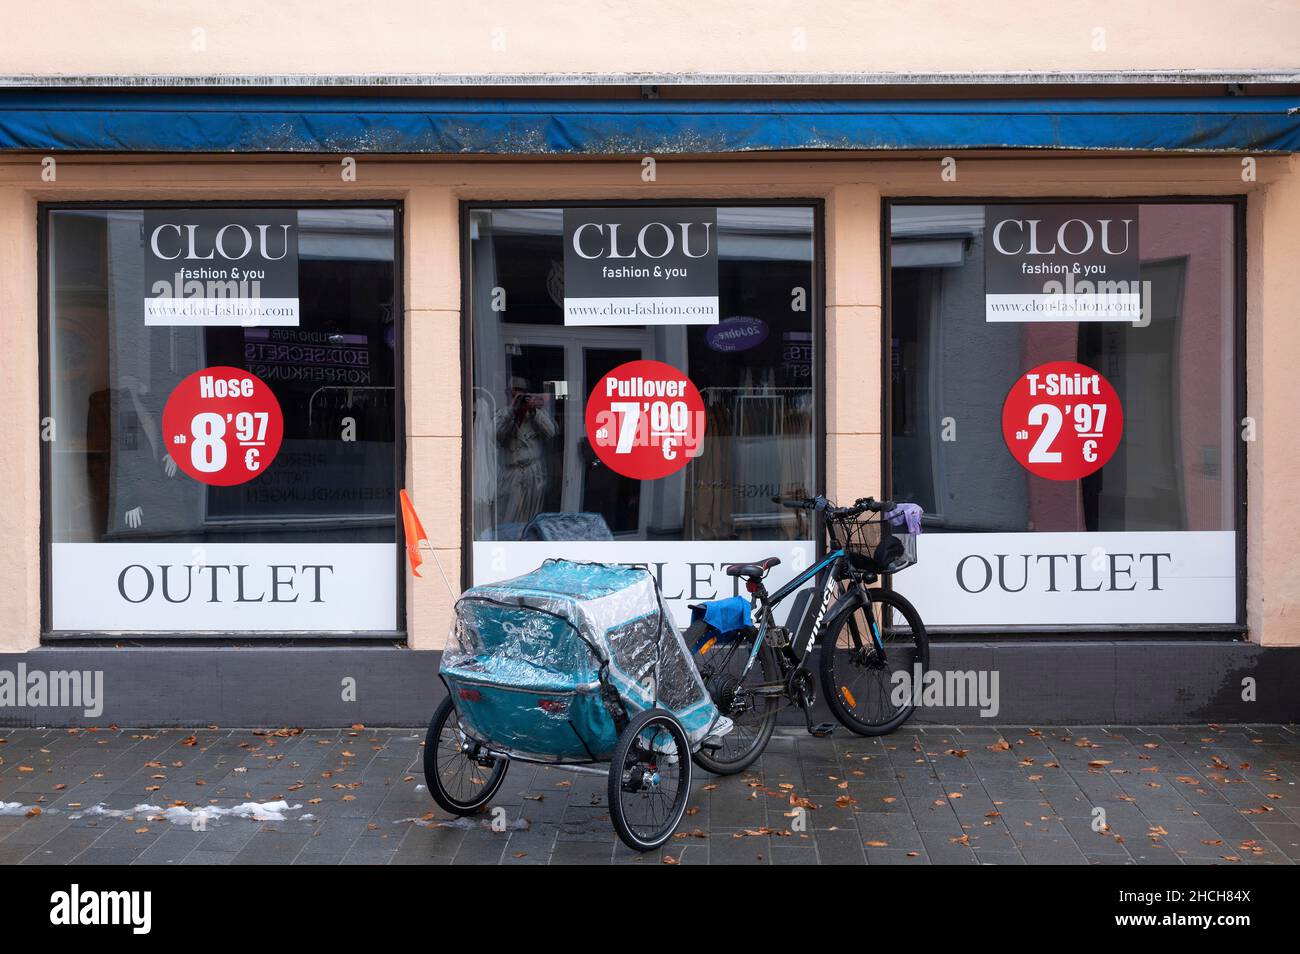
(224, 587)
(1073, 579)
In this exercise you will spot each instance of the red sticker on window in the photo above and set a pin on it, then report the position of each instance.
(1062, 420)
(223, 426)
(645, 419)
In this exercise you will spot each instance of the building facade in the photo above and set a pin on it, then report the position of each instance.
(1036, 279)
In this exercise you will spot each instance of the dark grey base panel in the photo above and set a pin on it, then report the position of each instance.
(1040, 683)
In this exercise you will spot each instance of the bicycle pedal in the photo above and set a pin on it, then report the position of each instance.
(822, 729)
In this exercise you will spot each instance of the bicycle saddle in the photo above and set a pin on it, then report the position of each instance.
(753, 570)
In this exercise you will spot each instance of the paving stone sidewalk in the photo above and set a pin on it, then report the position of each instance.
(925, 795)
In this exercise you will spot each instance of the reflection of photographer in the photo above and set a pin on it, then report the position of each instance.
(522, 428)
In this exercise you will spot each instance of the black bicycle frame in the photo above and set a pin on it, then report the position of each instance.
(828, 564)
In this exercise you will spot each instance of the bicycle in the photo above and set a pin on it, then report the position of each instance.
(870, 634)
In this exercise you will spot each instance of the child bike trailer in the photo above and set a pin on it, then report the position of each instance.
(574, 665)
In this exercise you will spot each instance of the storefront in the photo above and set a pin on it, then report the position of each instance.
(538, 487)
(1116, 505)
(1078, 364)
(156, 522)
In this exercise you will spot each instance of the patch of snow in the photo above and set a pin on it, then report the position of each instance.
(184, 815)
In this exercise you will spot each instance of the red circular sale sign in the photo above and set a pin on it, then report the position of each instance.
(1062, 420)
(222, 426)
(645, 419)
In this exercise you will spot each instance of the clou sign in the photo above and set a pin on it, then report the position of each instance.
(1064, 263)
(644, 265)
(654, 240)
(232, 241)
(234, 267)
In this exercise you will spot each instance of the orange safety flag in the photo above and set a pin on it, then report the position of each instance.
(414, 532)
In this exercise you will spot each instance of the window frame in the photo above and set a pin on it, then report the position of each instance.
(45, 369)
(817, 316)
(1234, 631)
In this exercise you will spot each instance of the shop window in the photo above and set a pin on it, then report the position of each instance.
(169, 511)
(1023, 528)
(743, 328)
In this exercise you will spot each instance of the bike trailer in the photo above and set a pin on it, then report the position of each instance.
(550, 666)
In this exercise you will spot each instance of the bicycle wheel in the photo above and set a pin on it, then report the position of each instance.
(858, 682)
(649, 779)
(460, 778)
(753, 716)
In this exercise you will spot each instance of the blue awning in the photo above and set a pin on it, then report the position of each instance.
(53, 121)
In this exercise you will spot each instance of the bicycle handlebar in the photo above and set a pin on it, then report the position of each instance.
(821, 503)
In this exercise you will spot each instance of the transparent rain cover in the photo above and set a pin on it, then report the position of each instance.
(540, 666)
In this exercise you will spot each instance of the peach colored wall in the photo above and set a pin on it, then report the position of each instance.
(852, 189)
(197, 37)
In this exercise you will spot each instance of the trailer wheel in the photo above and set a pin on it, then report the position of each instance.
(460, 777)
(649, 779)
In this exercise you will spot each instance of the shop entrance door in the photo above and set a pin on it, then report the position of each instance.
(566, 368)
